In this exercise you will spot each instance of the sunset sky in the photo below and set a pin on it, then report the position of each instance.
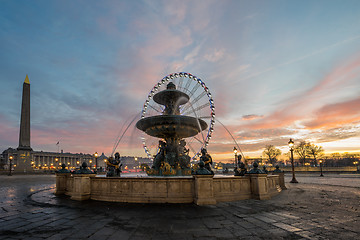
(276, 70)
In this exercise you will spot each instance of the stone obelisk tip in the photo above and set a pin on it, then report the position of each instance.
(27, 79)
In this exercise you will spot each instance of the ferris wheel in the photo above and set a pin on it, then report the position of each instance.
(200, 105)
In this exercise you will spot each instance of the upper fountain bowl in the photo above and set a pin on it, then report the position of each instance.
(171, 96)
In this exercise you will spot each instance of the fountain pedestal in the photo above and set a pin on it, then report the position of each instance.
(259, 186)
(61, 183)
(81, 187)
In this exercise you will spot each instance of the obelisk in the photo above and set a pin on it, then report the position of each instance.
(24, 149)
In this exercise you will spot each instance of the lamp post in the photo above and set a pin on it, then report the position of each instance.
(235, 152)
(321, 174)
(96, 156)
(10, 165)
(291, 146)
(356, 165)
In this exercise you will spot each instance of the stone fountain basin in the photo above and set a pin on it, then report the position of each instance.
(171, 126)
(198, 189)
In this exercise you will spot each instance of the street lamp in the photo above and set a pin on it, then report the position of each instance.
(291, 146)
(10, 163)
(356, 165)
(321, 175)
(96, 156)
(235, 152)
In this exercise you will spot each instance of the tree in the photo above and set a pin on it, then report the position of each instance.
(271, 153)
(336, 158)
(302, 150)
(315, 151)
(348, 159)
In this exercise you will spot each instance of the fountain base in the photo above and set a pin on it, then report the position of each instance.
(198, 189)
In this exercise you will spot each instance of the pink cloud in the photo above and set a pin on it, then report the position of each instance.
(302, 106)
(251, 117)
(334, 115)
(85, 137)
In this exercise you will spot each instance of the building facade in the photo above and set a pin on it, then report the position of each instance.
(44, 161)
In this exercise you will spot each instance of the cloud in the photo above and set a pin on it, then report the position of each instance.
(251, 117)
(9, 133)
(92, 136)
(301, 107)
(334, 115)
(335, 134)
(215, 56)
(118, 51)
(301, 58)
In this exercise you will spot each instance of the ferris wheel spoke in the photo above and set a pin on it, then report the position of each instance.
(192, 149)
(197, 109)
(198, 97)
(188, 84)
(194, 101)
(192, 142)
(193, 90)
(198, 140)
(175, 81)
(181, 80)
(156, 109)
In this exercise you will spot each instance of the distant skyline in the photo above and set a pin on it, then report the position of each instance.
(276, 69)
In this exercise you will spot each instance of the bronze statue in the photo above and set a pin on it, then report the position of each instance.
(160, 156)
(84, 169)
(114, 166)
(207, 159)
(183, 155)
(202, 170)
(241, 169)
(63, 169)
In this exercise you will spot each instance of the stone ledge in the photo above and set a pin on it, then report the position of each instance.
(199, 189)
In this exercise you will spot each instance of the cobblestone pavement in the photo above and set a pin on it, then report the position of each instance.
(29, 210)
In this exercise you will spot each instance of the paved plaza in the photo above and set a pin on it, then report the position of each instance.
(316, 208)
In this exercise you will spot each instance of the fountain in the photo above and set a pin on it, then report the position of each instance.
(170, 180)
(172, 158)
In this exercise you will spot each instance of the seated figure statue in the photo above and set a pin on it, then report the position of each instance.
(207, 159)
(238, 171)
(160, 156)
(184, 159)
(202, 170)
(114, 166)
